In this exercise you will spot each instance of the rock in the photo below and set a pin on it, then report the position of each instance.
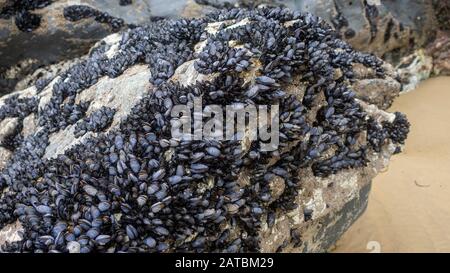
(414, 69)
(317, 179)
(5, 155)
(376, 90)
(8, 126)
(140, 12)
(10, 233)
(277, 186)
(434, 60)
(114, 93)
(195, 8)
(56, 41)
(334, 202)
(442, 9)
(439, 50)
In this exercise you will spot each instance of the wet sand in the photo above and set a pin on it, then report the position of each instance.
(409, 206)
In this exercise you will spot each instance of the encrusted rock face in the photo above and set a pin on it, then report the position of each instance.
(91, 164)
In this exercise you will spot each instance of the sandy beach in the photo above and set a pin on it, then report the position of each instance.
(409, 206)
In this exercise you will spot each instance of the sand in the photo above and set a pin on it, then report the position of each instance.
(409, 206)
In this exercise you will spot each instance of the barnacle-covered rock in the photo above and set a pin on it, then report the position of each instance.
(130, 185)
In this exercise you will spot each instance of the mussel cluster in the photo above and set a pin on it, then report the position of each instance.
(125, 2)
(134, 188)
(21, 10)
(97, 121)
(19, 108)
(78, 12)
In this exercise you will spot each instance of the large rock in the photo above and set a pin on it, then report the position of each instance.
(140, 12)
(300, 197)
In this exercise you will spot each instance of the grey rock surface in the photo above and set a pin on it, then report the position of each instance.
(375, 90)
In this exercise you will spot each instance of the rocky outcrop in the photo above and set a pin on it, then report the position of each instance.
(376, 90)
(123, 187)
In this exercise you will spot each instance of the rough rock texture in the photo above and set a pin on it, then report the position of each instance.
(57, 39)
(337, 201)
(414, 68)
(376, 90)
(439, 50)
(140, 12)
(311, 198)
(10, 233)
(434, 60)
(442, 9)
